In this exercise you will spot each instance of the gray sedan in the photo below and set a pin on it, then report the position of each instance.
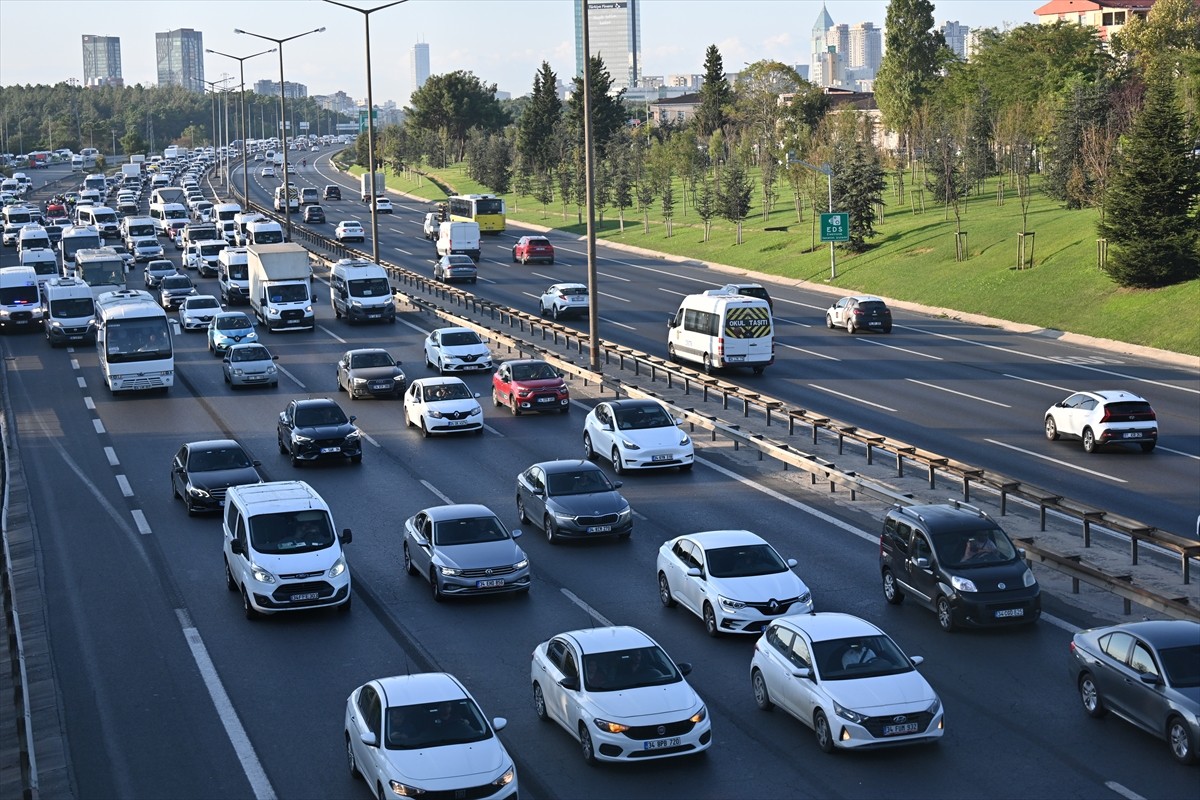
(572, 499)
(464, 550)
(370, 372)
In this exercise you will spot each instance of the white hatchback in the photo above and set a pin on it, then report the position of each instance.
(457, 350)
(197, 311)
(564, 299)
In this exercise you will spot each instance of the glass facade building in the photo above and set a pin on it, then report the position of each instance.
(614, 34)
(180, 57)
(420, 64)
(102, 61)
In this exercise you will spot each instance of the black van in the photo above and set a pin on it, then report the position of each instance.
(957, 561)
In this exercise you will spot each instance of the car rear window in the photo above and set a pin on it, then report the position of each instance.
(1127, 408)
(539, 242)
(873, 306)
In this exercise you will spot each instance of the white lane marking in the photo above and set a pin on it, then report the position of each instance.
(81, 383)
(434, 489)
(1056, 461)
(74, 363)
(672, 291)
(1059, 623)
(960, 394)
(402, 250)
(640, 516)
(490, 429)
(89, 403)
(139, 519)
(111, 455)
(123, 482)
(251, 766)
(614, 277)
(336, 338)
(808, 352)
(618, 324)
(844, 396)
(901, 349)
(1037, 383)
(591, 612)
(293, 377)
(368, 437)
(1128, 794)
(792, 322)
(613, 297)
(98, 425)
(1178, 453)
(551, 278)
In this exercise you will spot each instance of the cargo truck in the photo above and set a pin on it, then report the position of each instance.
(131, 171)
(365, 186)
(280, 288)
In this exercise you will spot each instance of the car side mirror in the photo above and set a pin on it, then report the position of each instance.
(917, 660)
(399, 362)
(515, 533)
(571, 684)
(678, 421)
(477, 395)
(274, 358)
(802, 672)
(283, 418)
(368, 738)
(695, 572)
(347, 536)
(684, 667)
(1149, 680)
(921, 563)
(617, 484)
(237, 547)
(499, 723)
(352, 418)
(256, 463)
(791, 562)
(670, 322)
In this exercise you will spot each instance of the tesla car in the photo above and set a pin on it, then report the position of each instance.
(464, 549)
(636, 434)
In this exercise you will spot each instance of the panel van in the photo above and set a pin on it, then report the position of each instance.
(360, 291)
(721, 328)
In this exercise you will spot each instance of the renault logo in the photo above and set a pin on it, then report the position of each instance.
(773, 605)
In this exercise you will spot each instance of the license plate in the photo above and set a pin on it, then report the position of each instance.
(490, 583)
(380, 386)
(74, 338)
(1010, 612)
(545, 399)
(293, 322)
(22, 322)
(900, 730)
(1133, 435)
(660, 458)
(373, 316)
(661, 744)
(600, 529)
(874, 324)
(732, 359)
(300, 598)
(331, 449)
(456, 422)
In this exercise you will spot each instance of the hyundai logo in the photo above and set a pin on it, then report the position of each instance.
(899, 718)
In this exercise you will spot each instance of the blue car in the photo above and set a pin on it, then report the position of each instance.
(228, 328)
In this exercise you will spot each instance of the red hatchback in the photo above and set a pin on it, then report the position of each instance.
(533, 248)
(530, 385)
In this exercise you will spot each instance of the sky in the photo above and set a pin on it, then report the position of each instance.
(501, 42)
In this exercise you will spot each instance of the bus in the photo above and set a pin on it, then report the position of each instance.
(486, 209)
(76, 238)
(133, 342)
(100, 268)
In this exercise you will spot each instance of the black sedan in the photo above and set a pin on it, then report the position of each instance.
(1147, 673)
(310, 430)
(370, 372)
(202, 471)
(572, 499)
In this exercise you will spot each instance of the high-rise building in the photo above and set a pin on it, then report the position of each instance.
(866, 48)
(181, 59)
(102, 61)
(270, 88)
(818, 74)
(420, 64)
(614, 34)
(956, 38)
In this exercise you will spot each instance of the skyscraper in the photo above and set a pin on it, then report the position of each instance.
(102, 61)
(866, 49)
(181, 59)
(819, 75)
(614, 34)
(420, 64)
(956, 38)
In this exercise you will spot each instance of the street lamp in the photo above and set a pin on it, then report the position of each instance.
(827, 171)
(212, 87)
(366, 12)
(245, 162)
(287, 203)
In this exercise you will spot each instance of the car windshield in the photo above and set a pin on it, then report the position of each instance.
(584, 481)
(217, 458)
(361, 360)
(202, 302)
(369, 287)
(1182, 665)
(978, 548)
(619, 670)
(859, 657)
(744, 561)
(161, 266)
(459, 338)
(533, 372)
(312, 416)
(471, 530)
(177, 282)
(289, 293)
(641, 417)
(425, 725)
(249, 354)
(291, 532)
(72, 307)
(233, 323)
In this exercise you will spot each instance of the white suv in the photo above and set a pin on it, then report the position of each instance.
(1104, 417)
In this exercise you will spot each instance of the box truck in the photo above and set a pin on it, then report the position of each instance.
(280, 291)
(365, 186)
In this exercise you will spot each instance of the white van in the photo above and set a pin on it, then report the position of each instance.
(233, 276)
(102, 218)
(134, 228)
(20, 300)
(32, 237)
(43, 260)
(459, 238)
(70, 311)
(721, 328)
(282, 552)
(360, 291)
(168, 217)
(264, 231)
(243, 220)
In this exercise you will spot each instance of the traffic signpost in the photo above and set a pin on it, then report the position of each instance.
(835, 227)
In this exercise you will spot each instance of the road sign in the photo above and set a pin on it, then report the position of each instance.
(835, 227)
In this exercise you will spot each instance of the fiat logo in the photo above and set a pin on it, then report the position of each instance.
(661, 730)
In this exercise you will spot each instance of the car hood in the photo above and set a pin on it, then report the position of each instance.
(589, 504)
(448, 762)
(480, 554)
(326, 431)
(224, 478)
(645, 701)
(653, 437)
(315, 561)
(466, 351)
(374, 373)
(760, 588)
(546, 383)
(905, 693)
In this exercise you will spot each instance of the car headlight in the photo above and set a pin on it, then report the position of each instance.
(261, 575)
(356, 303)
(272, 369)
(805, 598)
(628, 445)
(474, 412)
(237, 371)
(338, 568)
(354, 435)
(962, 584)
(729, 604)
(1028, 578)
(359, 381)
(699, 716)
(685, 440)
(56, 324)
(298, 438)
(934, 707)
(197, 492)
(404, 790)
(508, 777)
(609, 727)
(846, 713)
(522, 564)
(450, 571)
(433, 412)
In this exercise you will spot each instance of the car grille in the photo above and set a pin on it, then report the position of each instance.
(143, 383)
(781, 606)
(875, 725)
(455, 414)
(284, 593)
(469, 359)
(644, 732)
(292, 313)
(603, 519)
(299, 576)
(469, 793)
(21, 316)
(489, 572)
(74, 331)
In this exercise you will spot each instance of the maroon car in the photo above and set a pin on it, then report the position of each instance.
(533, 248)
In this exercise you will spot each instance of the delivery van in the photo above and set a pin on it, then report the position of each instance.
(721, 328)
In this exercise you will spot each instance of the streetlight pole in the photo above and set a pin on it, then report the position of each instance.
(242, 74)
(367, 12)
(827, 171)
(287, 202)
(589, 201)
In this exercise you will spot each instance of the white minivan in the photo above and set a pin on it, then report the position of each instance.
(282, 552)
(360, 291)
(721, 328)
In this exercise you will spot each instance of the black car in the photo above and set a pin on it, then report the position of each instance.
(202, 471)
(370, 372)
(572, 499)
(173, 289)
(332, 192)
(310, 430)
(314, 214)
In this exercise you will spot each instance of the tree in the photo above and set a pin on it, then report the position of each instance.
(733, 197)
(1153, 227)
(133, 142)
(544, 192)
(857, 179)
(453, 104)
(715, 94)
(913, 56)
(608, 110)
(1065, 177)
(706, 206)
(535, 129)
(622, 185)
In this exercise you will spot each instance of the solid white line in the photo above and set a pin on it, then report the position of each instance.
(551, 278)
(615, 277)
(1055, 461)
(671, 291)
(1128, 794)
(844, 396)
(293, 377)
(336, 338)
(792, 322)
(808, 352)
(490, 429)
(960, 394)
(402, 250)
(1178, 453)
(89, 403)
(98, 425)
(434, 489)
(618, 324)
(139, 519)
(591, 612)
(126, 489)
(111, 455)
(901, 349)
(81, 382)
(251, 766)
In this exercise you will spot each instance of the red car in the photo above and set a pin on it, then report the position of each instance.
(533, 248)
(530, 384)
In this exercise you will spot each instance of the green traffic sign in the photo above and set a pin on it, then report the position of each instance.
(835, 227)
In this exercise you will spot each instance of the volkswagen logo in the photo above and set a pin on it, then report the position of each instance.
(661, 730)
(899, 718)
(1001, 586)
(487, 571)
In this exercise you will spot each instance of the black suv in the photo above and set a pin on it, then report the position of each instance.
(332, 192)
(957, 561)
(309, 430)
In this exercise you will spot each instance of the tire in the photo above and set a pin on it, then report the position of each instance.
(891, 592)
(521, 515)
(850, 329)
(248, 609)
(541, 310)
(674, 359)
(514, 255)
(1051, 429)
(664, 591)
(710, 621)
(495, 398)
(555, 313)
(1179, 739)
(409, 569)
(759, 370)
(437, 590)
(1148, 447)
(551, 532)
(588, 453)
(1089, 441)
(822, 732)
(174, 491)
(708, 367)
(539, 703)
(762, 697)
(945, 614)
(1089, 696)
(351, 763)
(829, 322)
(585, 744)
(615, 458)
(513, 406)
(229, 582)
(279, 441)
(424, 430)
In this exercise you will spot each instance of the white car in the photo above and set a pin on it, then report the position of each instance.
(636, 434)
(442, 405)
(847, 680)
(291, 168)
(147, 248)
(410, 735)
(733, 580)
(619, 694)
(197, 311)
(383, 205)
(266, 172)
(564, 299)
(1104, 417)
(348, 231)
(457, 350)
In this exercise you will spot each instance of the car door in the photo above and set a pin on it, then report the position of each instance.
(602, 431)
(533, 494)
(412, 404)
(227, 364)
(178, 473)
(432, 347)
(1144, 702)
(777, 667)
(367, 717)
(1074, 413)
(421, 543)
(502, 381)
(694, 590)
(803, 693)
(922, 580)
(837, 314)
(286, 423)
(343, 370)
(561, 663)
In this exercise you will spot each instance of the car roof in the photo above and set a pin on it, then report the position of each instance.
(865, 298)
(196, 297)
(454, 330)
(358, 351)
(512, 362)
(635, 404)
(214, 444)
(228, 314)
(244, 346)
(1116, 395)
(569, 286)
(445, 380)
(713, 539)
(458, 511)
(947, 518)
(567, 465)
(425, 687)
(604, 640)
(826, 625)
(1158, 632)
(317, 402)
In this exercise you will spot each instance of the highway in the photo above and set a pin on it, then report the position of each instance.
(167, 689)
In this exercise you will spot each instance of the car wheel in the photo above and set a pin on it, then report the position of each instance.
(664, 591)
(1051, 429)
(1180, 740)
(226, 377)
(708, 368)
(710, 621)
(829, 321)
(551, 531)
(248, 609)
(539, 702)
(279, 440)
(350, 762)
(541, 309)
(1089, 695)
(174, 491)
(850, 329)
(409, 569)
(1089, 441)
(588, 453)
(437, 589)
(945, 614)
(671, 354)
(762, 698)
(514, 406)
(1148, 447)
(585, 744)
(758, 370)
(555, 313)
(521, 515)
(495, 398)
(514, 255)
(615, 457)
(891, 592)
(424, 430)
(823, 733)
(229, 582)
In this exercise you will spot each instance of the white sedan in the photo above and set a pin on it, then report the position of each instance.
(733, 580)
(847, 680)
(349, 231)
(457, 350)
(619, 695)
(383, 205)
(636, 434)
(410, 735)
(266, 172)
(197, 311)
(564, 299)
(442, 405)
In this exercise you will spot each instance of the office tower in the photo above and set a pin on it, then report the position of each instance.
(614, 34)
(102, 61)
(181, 59)
(866, 49)
(420, 64)
(956, 38)
(819, 74)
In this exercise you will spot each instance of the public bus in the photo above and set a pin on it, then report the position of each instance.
(133, 342)
(100, 268)
(485, 209)
(76, 238)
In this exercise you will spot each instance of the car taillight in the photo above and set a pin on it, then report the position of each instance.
(720, 348)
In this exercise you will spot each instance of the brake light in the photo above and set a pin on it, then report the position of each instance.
(720, 348)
